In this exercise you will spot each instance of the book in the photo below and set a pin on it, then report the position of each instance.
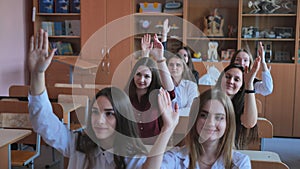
(72, 27)
(75, 6)
(62, 6)
(46, 6)
(59, 28)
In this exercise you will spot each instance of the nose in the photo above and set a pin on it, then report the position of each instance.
(210, 121)
(102, 118)
(230, 80)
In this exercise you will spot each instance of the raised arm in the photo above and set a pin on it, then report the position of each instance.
(170, 119)
(265, 86)
(249, 116)
(38, 61)
(158, 54)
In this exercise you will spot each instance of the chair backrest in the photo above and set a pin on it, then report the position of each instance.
(67, 85)
(203, 88)
(82, 100)
(268, 164)
(53, 92)
(265, 128)
(96, 86)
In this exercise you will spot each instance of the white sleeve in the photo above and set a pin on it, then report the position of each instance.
(265, 86)
(47, 124)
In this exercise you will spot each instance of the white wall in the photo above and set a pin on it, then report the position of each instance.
(13, 42)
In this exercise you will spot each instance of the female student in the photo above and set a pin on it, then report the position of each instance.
(184, 51)
(146, 78)
(110, 139)
(186, 89)
(210, 140)
(244, 58)
(238, 85)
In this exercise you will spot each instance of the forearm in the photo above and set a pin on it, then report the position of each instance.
(165, 75)
(155, 157)
(37, 83)
(265, 86)
(249, 116)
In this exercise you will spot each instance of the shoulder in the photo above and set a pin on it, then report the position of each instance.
(176, 157)
(241, 160)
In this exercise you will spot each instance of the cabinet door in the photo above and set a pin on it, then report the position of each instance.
(280, 104)
(118, 44)
(296, 131)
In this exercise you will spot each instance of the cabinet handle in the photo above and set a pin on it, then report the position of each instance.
(33, 14)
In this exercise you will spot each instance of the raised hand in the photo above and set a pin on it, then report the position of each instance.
(166, 27)
(261, 52)
(158, 49)
(39, 59)
(170, 116)
(249, 76)
(146, 45)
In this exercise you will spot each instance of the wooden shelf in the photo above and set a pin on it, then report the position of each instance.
(268, 39)
(65, 37)
(268, 15)
(158, 14)
(58, 14)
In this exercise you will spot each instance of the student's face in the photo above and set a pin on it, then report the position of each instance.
(232, 81)
(182, 52)
(211, 123)
(143, 77)
(103, 118)
(175, 67)
(242, 59)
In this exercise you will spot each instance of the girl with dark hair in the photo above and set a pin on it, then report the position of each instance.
(110, 139)
(243, 57)
(146, 78)
(210, 140)
(237, 83)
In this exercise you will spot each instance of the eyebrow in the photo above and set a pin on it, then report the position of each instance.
(220, 114)
(107, 109)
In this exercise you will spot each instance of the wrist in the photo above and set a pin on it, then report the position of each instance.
(249, 91)
(161, 60)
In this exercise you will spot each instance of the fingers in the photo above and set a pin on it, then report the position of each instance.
(45, 41)
(41, 38)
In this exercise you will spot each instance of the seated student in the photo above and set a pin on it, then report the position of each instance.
(210, 140)
(244, 58)
(238, 85)
(186, 89)
(110, 140)
(146, 78)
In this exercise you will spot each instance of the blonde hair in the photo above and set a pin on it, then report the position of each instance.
(226, 143)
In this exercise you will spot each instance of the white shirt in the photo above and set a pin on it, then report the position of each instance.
(185, 93)
(265, 86)
(178, 158)
(57, 135)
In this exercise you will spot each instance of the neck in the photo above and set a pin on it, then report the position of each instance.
(140, 93)
(210, 153)
(176, 80)
(107, 143)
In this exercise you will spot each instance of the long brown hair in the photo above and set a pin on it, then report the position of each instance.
(126, 141)
(226, 143)
(244, 136)
(232, 60)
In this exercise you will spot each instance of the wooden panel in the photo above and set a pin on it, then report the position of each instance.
(279, 105)
(57, 73)
(296, 131)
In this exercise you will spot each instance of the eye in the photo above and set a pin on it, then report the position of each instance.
(237, 79)
(95, 110)
(147, 76)
(178, 64)
(227, 76)
(138, 74)
(219, 117)
(110, 114)
(203, 115)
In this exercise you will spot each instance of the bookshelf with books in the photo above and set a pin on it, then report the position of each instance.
(61, 19)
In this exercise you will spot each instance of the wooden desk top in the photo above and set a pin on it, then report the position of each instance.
(76, 62)
(9, 136)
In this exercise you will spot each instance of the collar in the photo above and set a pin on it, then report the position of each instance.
(108, 154)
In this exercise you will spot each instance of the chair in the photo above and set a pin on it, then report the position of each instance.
(265, 130)
(96, 86)
(268, 164)
(67, 85)
(15, 115)
(264, 159)
(81, 112)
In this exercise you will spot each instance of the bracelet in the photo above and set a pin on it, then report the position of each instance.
(249, 91)
(160, 61)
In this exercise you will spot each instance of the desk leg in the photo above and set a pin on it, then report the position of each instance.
(5, 155)
(71, 74)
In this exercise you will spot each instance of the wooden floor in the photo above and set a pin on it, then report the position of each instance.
(287, 148)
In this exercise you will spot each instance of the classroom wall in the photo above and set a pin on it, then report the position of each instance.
(15, 28)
